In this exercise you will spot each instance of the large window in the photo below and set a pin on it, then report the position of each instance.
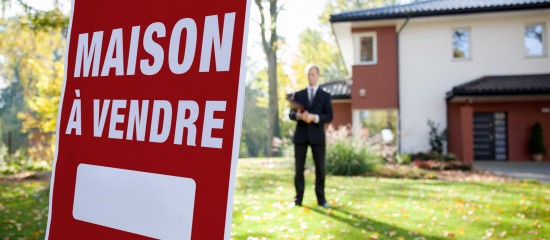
(534, 40)
(365, 45)
(461, 43)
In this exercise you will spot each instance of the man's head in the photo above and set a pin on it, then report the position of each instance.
(312, 72)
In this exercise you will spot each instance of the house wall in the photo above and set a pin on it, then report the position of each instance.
(461, 131)
(342, 113)
(378, 80)
(428, 71)
(520, 118)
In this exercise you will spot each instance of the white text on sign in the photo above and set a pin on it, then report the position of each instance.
(88, 55)
(187, 113)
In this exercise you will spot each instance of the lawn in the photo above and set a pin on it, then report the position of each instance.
(23, 209)
(362, 208)
(370, 208)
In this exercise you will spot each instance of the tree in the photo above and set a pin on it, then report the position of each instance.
(255, 121)
(314, 48)
(270, 47)
(11, 102)
(253, 134)
(34, 60)
(36, 19)
(318, 45)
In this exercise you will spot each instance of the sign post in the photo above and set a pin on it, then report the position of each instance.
(149, 121)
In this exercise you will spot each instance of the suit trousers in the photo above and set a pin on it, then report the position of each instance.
(300, 151)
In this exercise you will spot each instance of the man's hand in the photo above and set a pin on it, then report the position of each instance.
(300, 114)
(311, 117)
(306, 116)
(303, 115)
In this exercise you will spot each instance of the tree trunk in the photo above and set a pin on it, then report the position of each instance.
(275, 129)
(270, 50)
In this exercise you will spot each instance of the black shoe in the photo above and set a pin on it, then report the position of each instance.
(324, 205)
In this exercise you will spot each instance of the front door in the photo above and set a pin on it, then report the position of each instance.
(490, 138)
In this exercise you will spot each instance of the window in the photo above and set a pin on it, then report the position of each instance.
(461, 43)
(534, 40)
(365, 48)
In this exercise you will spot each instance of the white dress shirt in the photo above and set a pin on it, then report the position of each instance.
(315, 88)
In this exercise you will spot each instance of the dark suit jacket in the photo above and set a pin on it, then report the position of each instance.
(313, 133)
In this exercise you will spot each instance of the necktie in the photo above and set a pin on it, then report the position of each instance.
(311, 96)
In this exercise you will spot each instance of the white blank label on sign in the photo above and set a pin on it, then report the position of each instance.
(147, 204)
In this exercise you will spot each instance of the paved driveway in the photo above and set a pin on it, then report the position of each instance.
(525, 170)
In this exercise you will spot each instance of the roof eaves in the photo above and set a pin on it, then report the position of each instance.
(412, 14)
(451, 94)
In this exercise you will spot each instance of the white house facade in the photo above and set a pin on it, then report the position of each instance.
(457, 63)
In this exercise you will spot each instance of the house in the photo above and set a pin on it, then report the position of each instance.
(479, 69)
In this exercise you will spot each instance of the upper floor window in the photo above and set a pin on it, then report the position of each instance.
(365, 48)
(461, 43)
(534, 40)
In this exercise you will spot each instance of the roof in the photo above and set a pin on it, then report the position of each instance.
(503, 85)
(338, 89)
(438, 7)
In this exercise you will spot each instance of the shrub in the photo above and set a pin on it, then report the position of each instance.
(437, 138)
(20, 161)
(402, 158)
(346, 157)
(448, 157)
(536, 143)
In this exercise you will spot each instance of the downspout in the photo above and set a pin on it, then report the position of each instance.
(399, 88)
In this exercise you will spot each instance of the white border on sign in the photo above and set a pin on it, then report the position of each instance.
(59, 118)
(238, 127)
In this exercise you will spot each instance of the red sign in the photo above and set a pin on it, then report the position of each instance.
(149, 122)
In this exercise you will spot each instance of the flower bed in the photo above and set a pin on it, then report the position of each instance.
(440, 165)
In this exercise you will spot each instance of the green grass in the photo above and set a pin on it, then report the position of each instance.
(23, 209)
(370, 208)
(363, 208)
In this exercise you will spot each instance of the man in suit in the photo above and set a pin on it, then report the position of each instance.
(310, 131)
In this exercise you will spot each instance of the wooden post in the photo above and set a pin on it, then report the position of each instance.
(10, 147)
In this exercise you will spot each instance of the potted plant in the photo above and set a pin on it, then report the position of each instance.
(536, 143)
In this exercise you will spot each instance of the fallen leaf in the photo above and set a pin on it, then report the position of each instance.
(448, 234)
